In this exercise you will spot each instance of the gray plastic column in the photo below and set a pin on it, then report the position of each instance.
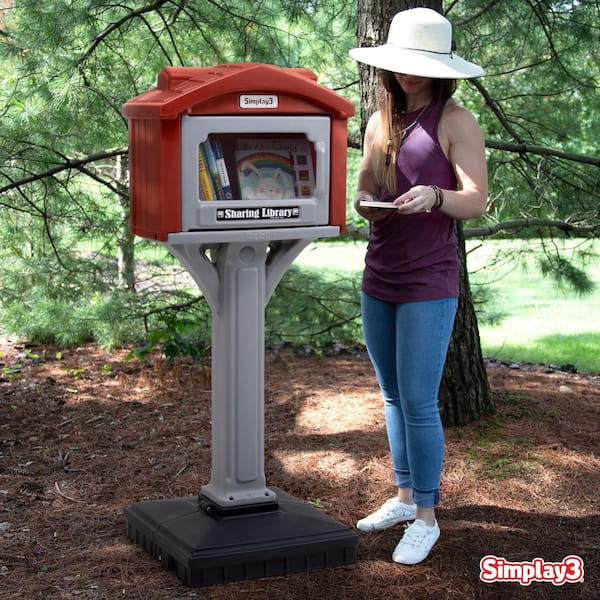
(237, 280)
(238, 378)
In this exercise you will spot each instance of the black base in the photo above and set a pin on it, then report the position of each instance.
(204, 547)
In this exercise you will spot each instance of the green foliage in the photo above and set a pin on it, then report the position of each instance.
(329, 314)
(565, 273)
(540, 89)
(313, 306)
(44, 318)
(171, 338)
(353, 162)
(67, 67)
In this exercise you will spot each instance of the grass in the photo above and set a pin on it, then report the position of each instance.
(537, 320)
(540, 320)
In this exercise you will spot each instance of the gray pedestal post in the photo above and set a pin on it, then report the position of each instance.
(203, 539)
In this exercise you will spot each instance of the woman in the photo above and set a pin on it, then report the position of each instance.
(424, 162)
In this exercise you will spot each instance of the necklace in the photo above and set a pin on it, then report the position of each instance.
(403, 133)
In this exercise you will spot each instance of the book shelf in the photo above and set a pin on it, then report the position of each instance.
(255, 167)
(255, 171)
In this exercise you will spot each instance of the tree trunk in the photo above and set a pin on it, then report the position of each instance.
(374, 18)
(126, 250)
(465, 393)
(125, 239)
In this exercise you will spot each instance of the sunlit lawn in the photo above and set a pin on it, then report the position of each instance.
(540, 322)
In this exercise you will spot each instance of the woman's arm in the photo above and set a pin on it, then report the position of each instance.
(461, 135)
(367, 188)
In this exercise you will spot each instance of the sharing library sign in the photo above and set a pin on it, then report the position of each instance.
(261, 213)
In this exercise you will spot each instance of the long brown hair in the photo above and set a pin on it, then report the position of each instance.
(387, 138)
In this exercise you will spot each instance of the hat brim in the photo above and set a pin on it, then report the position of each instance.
(417, 62)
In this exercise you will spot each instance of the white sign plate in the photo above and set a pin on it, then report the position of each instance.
(259, 101)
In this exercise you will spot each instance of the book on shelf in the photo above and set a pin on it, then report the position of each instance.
(211, 163)
(274, 168)
(265, 168)
(206, 188)
(212, 172)
(304, 174)
(222, 171)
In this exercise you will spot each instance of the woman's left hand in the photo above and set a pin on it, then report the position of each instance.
(418, 199)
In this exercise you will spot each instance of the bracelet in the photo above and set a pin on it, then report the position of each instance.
(439, 197)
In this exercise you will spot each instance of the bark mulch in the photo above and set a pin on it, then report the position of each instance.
(83, 435)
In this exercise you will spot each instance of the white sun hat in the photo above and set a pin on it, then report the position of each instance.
(419, 43)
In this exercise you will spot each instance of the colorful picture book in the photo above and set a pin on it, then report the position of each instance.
(263, 168)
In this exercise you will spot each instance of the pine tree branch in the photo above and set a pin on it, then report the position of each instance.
(496, 109)
(585, 230)
(67, 165)
(114, 26)
(537, 10)
(520, 146)
(523, 148)
(473, 17)
(362, 233)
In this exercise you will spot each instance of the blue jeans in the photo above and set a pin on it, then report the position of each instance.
(407, 344)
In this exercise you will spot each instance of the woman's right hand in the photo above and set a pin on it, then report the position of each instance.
(368, 212)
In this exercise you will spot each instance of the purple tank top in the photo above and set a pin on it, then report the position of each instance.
(413, 258)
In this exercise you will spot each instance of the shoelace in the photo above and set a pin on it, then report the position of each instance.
(388, 509)
(414, 536)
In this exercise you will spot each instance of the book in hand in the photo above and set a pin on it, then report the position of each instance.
(277, 168)
(377, 204)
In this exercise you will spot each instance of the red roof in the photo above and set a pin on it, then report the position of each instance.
(181, 88)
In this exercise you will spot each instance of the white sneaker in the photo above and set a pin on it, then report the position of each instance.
(416, 543)
(391, 513)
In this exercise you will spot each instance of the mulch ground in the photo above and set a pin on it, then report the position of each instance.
(84, 435)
